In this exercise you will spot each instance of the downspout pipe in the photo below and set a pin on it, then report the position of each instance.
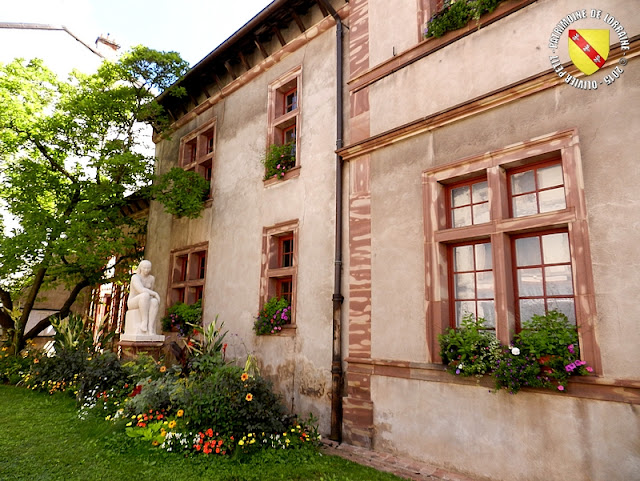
(338, 298)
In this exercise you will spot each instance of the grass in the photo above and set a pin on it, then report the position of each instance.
(41, 438)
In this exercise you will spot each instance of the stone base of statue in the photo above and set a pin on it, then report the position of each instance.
(133, 342)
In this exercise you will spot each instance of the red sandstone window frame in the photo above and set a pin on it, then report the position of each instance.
(187, 276)
(279, 271)
(198, 150)
(502, 228)
(281, 119)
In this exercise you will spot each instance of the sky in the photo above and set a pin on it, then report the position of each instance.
(193, 28)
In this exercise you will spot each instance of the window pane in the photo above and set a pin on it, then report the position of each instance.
(556, 248)
(487, 310)
(559, 280)
(528, 251)
(530, 282)
(483, 256)
(484, 285)
(525, 205)
(529, 307)
(461, 216)
(553, 199)
(464, 286)
(460, 196)
(463, 258)
(523, 182)
(550, 176)
(463, 308)
(480, 192)
(566, 306)
(481, 213)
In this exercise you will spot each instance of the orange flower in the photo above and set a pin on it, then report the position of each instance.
(249, 397)
(180, 413)
(163, 369)
(244, 377)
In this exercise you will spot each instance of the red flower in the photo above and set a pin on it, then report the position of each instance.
(197, 447)
(217, 450)
(210, 432)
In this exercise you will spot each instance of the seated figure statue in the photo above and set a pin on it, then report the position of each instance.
(142, 304)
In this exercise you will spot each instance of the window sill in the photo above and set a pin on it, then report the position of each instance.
(290, 174)
(288, 330)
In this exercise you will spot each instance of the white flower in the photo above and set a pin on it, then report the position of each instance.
(515, 351)
(460, 366)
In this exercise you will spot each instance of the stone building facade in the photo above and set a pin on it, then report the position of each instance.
(422, 117)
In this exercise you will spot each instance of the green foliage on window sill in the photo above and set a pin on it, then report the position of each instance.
(275, 314)
(457, 14)
(278, 160)
(183, 317)
(543, 355)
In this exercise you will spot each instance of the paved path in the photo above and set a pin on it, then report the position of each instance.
(402, 467)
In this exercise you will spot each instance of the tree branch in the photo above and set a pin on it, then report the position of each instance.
(64, 310)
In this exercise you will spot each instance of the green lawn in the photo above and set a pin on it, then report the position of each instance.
(41, 438)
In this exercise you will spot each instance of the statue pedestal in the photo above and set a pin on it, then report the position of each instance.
(134, 344)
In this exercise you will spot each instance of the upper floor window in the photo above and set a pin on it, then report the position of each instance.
(284, 118)
(197, 150)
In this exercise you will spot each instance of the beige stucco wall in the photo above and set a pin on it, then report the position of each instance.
(392, 31)
(530, 436)
(504, 52)
(242, 206)
(498, 436)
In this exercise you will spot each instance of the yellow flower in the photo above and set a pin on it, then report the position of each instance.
(249, 397)
(163, 433)
(163, 369)
(244, 376)
(155, 443)
(180, 413)
(172, 424)
(241, 443)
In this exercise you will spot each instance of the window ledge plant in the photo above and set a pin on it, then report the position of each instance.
(182, 318)
(457, 14)
(278, 160)
(543, 355)
(274, 314)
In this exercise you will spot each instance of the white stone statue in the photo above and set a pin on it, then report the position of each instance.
(142, 304)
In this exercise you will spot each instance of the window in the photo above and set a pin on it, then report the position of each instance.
(197, 150)
(506, 238)
(189, 267)
(536, 189)
(472, 288)
(280, 263)
(469, 203)
(284, 114)
(543, 275)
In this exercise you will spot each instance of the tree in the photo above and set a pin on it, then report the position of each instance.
(71, 155)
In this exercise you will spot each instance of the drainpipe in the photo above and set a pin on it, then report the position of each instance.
(336, 361)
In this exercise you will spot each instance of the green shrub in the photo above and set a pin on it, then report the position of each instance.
(232, 403)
